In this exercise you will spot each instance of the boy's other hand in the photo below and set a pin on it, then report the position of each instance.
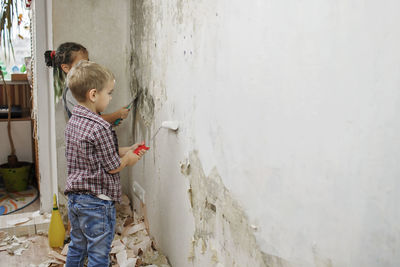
(132, 158)
(141, 153)
(129, 159)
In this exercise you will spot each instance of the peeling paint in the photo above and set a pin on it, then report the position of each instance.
(274, 261)
(190, 197)
(221, 226)
(146, 107)
(180, 9)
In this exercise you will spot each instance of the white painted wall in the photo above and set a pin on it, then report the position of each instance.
(103, 27)
(43, 104)
(295, 103)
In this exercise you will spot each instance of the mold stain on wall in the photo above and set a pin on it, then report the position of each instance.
(144, 101)
(221, 226)
(142, 30)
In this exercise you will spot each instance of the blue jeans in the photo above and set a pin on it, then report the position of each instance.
(92, 230)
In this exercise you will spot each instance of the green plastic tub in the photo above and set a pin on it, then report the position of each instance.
(16, 179)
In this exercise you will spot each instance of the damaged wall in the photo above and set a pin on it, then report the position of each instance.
(288, 121)
(103, 27)
(291, 107)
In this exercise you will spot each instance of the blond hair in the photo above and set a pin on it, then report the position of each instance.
(87, 75)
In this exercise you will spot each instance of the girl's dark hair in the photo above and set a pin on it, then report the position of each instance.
(63, 55)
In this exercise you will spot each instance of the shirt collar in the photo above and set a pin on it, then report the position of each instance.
(84, 112)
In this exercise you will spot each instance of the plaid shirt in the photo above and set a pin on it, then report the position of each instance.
(91, 149)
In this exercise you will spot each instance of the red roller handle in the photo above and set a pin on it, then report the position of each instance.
(139, 148)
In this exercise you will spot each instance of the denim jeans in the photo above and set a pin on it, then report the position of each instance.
(92, 230)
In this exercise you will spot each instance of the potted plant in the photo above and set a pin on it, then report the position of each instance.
(8, 13)
(15, 174)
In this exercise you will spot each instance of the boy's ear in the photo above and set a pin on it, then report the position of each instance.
(65, 68)
(92, 94)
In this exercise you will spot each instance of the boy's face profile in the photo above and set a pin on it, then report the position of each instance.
(104, 96)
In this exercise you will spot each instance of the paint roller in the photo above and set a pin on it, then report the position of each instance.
(171, 125)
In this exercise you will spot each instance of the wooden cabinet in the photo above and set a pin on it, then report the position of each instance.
(21, 100)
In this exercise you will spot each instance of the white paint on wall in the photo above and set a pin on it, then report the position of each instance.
(295, 103)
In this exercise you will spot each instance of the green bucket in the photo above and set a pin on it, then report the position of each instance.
(16, 179)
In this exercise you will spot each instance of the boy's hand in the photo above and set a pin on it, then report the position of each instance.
(140, 153)
(131, 158)
(133, 147)
(140, 148)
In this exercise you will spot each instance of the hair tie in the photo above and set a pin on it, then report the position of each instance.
(52, 54)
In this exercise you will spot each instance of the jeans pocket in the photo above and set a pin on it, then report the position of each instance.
(92, 220)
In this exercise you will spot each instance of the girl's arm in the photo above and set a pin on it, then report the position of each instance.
(119, 114)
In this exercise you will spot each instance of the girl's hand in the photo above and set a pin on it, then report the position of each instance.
(123, 113)
(117, 123)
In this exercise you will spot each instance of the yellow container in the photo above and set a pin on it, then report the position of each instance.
(56, 228)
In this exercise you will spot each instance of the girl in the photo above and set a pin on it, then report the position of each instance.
(62, 60)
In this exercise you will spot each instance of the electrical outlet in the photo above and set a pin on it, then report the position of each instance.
(138, 191)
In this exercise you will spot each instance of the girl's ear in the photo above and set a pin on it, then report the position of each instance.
(65, 67)
(92, 94)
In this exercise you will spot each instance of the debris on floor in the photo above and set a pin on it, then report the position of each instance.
(132, 245)
(12, 244)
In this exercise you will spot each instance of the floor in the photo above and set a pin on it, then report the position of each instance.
(36, 254)
(32, 207)
(24, 235)
(38, 249)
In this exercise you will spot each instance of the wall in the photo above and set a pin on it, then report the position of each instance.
(43, 104)
(287, 152)
(103, 27)
(21, 132)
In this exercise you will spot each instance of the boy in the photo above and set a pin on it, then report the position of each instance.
(93, 165)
